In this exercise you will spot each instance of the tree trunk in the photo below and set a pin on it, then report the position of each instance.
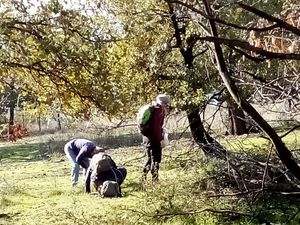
(237, 122)
(201, 137)
(11, 115)
(39, 123)
(11, 122)
(12, 99)
(282, 151)
(58, 121)
(209, 145)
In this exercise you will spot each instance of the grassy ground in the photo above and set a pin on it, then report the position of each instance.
(35, 188)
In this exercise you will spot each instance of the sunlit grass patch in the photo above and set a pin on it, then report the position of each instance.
(292, 140)
(258, 144)
(38, 190)
(246, 144)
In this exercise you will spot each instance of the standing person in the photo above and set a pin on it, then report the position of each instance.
(154, 140)
(79, 151)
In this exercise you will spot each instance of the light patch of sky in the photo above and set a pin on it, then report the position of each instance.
(86, 7)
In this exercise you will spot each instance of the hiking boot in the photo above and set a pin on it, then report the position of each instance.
(146, 170)
(143, 182)
(143, 178)
(155, 178)
(154, 172)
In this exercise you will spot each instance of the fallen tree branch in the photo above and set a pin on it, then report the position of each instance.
(185, 213)
(224, 211)
(235, 194)
(289, 131)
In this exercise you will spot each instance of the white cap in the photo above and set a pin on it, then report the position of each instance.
(163, 99)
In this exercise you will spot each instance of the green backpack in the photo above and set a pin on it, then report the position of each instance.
(143, 119)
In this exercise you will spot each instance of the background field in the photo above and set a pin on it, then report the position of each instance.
(35, 183)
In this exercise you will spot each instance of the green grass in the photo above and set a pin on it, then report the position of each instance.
(35, 188)
(259, 144)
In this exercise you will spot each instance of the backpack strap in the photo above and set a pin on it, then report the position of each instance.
(116, 178)
(121, 174)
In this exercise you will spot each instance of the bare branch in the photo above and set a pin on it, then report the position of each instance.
(233, 43)
(291, 130)
(281, 23)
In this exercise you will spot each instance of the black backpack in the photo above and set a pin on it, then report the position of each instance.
(111, 189)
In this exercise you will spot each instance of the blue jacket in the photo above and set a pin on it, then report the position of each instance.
(83, 148)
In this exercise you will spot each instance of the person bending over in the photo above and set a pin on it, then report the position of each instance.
(79, 151)
(107, 171)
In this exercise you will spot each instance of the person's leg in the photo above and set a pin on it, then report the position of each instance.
(156, 159)
(75, 166)
(85, 163)
(148, 163)
(121, 174)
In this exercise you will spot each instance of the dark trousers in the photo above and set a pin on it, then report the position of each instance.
(153, 150)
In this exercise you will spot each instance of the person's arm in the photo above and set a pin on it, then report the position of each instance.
(88, 180)
(157, 123)
(120, 173)
(112, 163)
(81, 154)
(84, 162)
(120, 192)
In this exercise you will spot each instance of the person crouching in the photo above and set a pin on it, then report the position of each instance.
(103, 168)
